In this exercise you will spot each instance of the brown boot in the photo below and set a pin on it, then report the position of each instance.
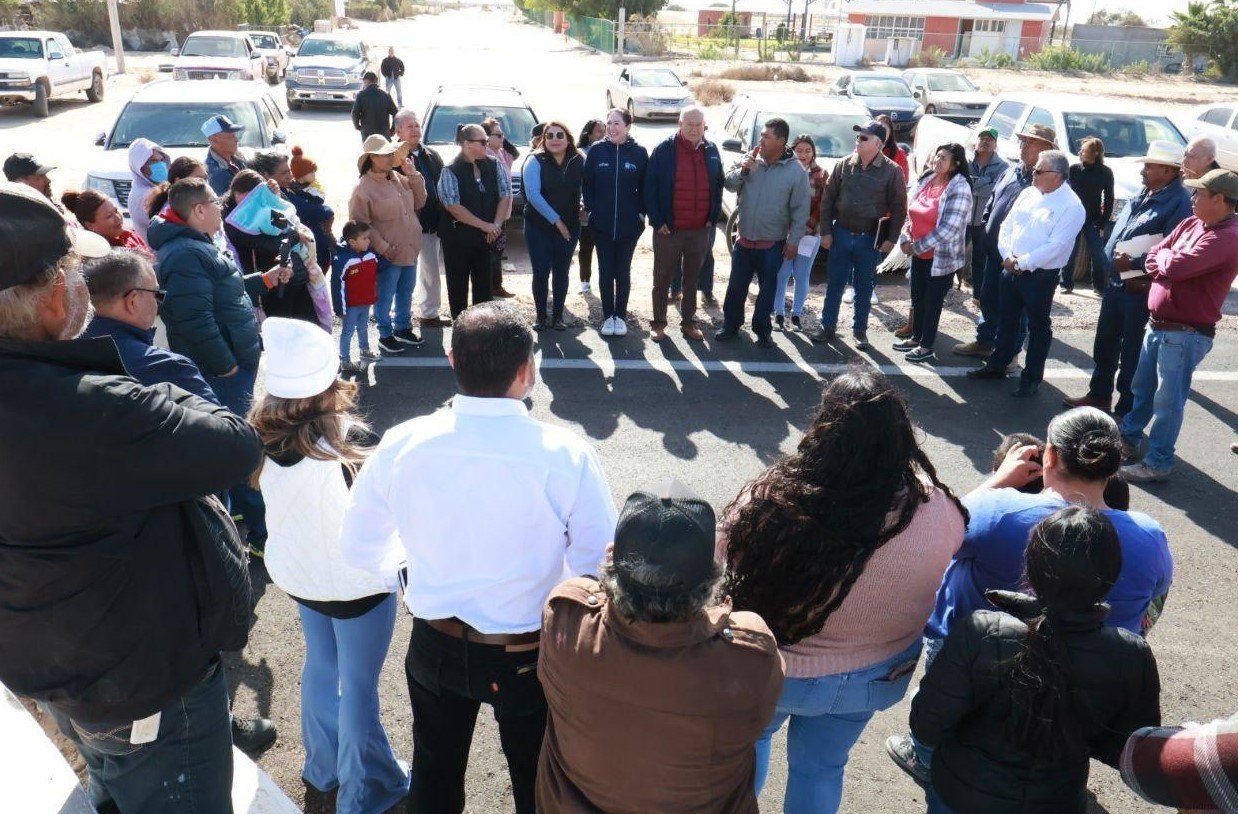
(910, 328)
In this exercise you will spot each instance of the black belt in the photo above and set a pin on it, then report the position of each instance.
(512, 642)
(1209, 331)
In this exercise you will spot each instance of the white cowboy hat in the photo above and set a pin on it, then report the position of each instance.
(1163, 152)
(376, 144)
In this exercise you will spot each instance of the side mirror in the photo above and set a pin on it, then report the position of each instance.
(279, 137)
(916, 93)
(732, 145)
(176, 52)
(100, 138)
(56, 56)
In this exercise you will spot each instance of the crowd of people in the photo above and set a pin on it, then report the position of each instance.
(655, 676)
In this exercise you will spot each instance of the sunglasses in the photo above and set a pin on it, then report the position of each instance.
(160, 294)
(1043, 172)
(860, 137)
(478, 140)
(555, 134)
(496, 135)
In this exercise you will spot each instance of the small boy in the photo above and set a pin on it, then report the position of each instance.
(357, 267)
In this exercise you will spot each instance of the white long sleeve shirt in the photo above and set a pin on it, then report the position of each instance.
(490, 509)
(1040, 230)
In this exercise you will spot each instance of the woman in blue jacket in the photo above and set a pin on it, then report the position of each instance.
(615, 201)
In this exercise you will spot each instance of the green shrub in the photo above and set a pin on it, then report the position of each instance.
(1140, 68)
(934, 57)
(711, 51)
(1062, 58)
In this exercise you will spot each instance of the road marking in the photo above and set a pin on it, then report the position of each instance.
(610, 366)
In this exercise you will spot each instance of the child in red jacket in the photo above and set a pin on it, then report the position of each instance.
(358, 267)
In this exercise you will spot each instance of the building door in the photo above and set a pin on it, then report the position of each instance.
(962, 47)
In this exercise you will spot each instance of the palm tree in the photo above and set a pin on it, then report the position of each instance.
(1191, 32)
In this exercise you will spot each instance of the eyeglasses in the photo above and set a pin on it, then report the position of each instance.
(555, 134)
(496, 135)
(1042, 172)
(160, 294)
(862, 137)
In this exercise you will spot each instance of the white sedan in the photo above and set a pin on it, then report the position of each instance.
(1218, 122)
(649, 93)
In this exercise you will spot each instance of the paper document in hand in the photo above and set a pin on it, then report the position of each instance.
(1137, 246)
(1132, 274)
(809, 245)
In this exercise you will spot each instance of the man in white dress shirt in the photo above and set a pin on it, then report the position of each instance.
(1035, 241)
(491, 510)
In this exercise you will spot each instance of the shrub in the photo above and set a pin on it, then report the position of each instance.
(934, 57)
(1062, 58)
(766, 73)
(713, 91)
(1140, 68)
(711, 51)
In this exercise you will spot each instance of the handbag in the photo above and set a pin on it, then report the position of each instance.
(219, 568)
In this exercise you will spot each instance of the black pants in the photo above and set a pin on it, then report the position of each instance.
(467, 260)
(448, 680)
(1119, 340)
(928, 295)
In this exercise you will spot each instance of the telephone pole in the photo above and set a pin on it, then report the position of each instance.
(118, 45)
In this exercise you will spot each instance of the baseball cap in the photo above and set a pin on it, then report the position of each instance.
(34, 236)
(871, 128)
(220, 124)
(991, 132)
(23, 165)
(1222, 182)
(673, 529)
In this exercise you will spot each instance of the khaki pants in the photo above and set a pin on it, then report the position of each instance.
(428, 297)
(686, 246)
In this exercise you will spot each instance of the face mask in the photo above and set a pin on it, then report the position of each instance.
(158, 172)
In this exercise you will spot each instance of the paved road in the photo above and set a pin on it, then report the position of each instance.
(714, 417)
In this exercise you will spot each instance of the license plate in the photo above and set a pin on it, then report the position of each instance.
(320, 95)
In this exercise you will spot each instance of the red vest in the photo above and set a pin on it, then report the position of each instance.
(691, 196)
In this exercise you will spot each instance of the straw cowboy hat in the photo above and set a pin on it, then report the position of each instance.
(1163, 152)
(1040, 132)
(377, 144)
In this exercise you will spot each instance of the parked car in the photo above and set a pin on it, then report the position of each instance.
(946, 93)
(881, 93)
(649, 92)
(276, 54)
(218, 55)
(828, 121)
(454, 105)
(327, 68)
(36, 66)
(1126, 126)
(162, 113)
(1218, 122)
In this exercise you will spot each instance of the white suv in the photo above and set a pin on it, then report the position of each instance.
(218, 55)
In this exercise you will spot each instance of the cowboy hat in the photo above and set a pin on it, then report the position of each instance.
(1163, 152)
(376, 144)
(1040, 132)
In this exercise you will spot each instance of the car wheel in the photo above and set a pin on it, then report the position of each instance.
(930, 109)
(632, 109)
(732, 230)
(95, 92)
(40, 101)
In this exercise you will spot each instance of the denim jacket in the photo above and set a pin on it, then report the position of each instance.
(1148, 213)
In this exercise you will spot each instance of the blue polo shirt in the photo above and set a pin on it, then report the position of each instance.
(993, 551)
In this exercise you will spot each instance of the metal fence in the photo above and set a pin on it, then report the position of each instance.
(588, 31)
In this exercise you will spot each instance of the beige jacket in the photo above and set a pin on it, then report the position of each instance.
(390, 206)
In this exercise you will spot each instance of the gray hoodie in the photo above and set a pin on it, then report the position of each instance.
(774, 199)
(140, 151)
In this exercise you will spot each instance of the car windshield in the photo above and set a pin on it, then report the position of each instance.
(831, 132)
(655, 79)
(20, 48)
(1124, 135)
(214, 47)
(180, 124)
(950, 83)
(264, 40)
(517, 122)
(330, 48)
(880, 87)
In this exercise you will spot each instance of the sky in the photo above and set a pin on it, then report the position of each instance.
(1154, 13)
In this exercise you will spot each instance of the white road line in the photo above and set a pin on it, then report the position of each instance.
(608, 366)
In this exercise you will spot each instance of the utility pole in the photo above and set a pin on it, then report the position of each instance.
(734, 29)
(118, 46)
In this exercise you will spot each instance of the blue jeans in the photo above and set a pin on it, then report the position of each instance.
(188, 767)
(1119, 336)
(236, 392)
(356, 321)
(852, 257)
(705, 277)
(395, 291)
(763, 264)
(827, 715)
(1160, 389)
(391, 82)
(345, 743)
(1026, 296)
(614, 272)
(1094, 242)
(551, 258)
(799, 269)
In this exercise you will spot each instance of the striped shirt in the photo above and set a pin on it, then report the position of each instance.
(948, 240)
(1193, 767)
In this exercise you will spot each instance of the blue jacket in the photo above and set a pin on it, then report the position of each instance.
(218, 174)
(1005, 193)
(1148, 213)
(209, 310)
(614, 187)
(315, 213)
(146, 361)
(660, 183)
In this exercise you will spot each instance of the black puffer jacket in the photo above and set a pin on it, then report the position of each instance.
(964, 703)
(98, 614)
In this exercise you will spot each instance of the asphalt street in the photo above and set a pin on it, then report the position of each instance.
(713, 417)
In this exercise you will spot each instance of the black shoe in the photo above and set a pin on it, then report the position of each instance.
(540, 324)
(824, 335)
(252, 735)
(407, 337)
(861, 340)
(726, 334)
(986, 372)
(795, 321)
(780, 320)
(389, 344)
(710, 298)
(765, 342)
(1025, 390)
(559, 324)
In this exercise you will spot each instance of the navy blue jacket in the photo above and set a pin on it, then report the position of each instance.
(146, 361)
(315, 213)
(1005, 193)
(1148, 213)
(614, 188)
(660, 183)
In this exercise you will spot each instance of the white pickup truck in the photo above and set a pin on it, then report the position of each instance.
(1126, 126)
(38, 65)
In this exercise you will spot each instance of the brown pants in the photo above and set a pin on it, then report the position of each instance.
(686, 246)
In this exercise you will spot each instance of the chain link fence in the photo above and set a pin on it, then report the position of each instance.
(589, 31)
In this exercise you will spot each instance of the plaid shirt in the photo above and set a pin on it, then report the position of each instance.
(1192, 768)
(948, 240)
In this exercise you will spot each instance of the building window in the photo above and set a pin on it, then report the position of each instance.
(990, 26)
(1164, 50)
(886, 26)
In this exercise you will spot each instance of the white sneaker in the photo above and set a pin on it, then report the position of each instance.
(585, 289)
(849, 295)
(873, 299)
(608, 326)
(621, 326)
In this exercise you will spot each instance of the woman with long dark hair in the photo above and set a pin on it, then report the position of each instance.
(935, 238)
(1092, 181)
(593, 132)
(1017, 702)
(800, 269)
(552, 179)
(840, 549)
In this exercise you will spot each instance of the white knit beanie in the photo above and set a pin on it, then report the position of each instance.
(300, 358)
